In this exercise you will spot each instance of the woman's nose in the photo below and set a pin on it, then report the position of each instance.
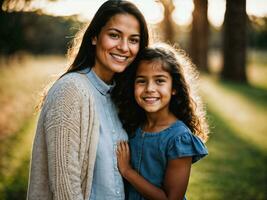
(123, 45)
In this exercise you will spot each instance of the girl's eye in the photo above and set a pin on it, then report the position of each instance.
(140, 81)
(160, 81)
(134, 40)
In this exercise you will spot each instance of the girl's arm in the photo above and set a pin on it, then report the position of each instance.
(175, 181)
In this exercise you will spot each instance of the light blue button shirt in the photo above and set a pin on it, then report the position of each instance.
(107, 182)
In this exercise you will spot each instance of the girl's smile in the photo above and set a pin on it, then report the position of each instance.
(151, 100)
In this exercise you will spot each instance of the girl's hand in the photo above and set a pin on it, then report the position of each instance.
(123, 157)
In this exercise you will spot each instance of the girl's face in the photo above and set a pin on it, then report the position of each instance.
(153, 87)
(116, 45)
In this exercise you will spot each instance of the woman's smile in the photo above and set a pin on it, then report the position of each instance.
(119, 58)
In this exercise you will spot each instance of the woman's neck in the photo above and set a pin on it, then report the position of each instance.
(105, 76)
(156, 123)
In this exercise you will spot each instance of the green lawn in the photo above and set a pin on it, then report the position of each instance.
(236, 165)
(234, 169)
(21, 83)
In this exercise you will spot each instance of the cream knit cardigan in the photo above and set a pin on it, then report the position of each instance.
(65, 144)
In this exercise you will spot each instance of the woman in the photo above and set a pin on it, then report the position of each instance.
(74, 150)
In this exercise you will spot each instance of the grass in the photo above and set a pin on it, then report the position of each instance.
(15, 162)
(20, 84)
(236, 165)
(245, 115)
(234, 169)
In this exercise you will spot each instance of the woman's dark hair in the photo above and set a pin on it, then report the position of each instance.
(85, 57)
(186, 105)
(81, 54)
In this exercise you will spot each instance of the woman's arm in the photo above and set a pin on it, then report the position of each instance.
(62, 131)
(175, 181)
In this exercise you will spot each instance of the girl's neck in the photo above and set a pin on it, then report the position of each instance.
(155, 123)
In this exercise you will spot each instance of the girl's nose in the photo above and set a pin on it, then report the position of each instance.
(150, 87)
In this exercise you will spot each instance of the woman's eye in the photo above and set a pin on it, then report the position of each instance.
(134, 40)
(114, 35)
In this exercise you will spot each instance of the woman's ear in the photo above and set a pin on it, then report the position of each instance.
(94, 40)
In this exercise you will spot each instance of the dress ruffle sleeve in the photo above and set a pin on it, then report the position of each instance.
(186, 145)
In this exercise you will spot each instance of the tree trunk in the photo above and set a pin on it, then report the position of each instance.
(200, 35)
(1, 5)
(234, 41)
(167, 23)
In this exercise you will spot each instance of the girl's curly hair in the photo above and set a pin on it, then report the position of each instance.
(186, 104)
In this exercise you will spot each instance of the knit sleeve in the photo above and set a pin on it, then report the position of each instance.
(62, 131)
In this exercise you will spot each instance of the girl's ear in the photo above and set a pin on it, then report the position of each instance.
(173, 92)
(94, 39)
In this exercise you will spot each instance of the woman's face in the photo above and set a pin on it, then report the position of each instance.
(116, 45)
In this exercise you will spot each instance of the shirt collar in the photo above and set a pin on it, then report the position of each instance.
(99, 84)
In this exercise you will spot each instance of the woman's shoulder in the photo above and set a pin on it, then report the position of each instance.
(74, 79)
(72, 82)
(73, 86)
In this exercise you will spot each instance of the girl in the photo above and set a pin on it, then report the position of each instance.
(74, 150)
(168, 124)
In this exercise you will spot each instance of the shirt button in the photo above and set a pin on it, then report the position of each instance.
(113, 131)
(117, 192)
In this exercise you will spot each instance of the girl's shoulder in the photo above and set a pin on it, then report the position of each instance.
(178, 128)
(182, 142)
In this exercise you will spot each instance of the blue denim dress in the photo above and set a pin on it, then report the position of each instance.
(150, 153)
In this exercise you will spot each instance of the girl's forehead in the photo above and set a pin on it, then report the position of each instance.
(155, 65)
(152, 68)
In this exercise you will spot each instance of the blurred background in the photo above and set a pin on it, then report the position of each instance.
(227, 40)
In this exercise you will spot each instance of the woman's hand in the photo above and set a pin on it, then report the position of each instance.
(123, 157)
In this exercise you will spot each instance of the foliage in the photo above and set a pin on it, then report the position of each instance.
(257, 32)
(35, 33)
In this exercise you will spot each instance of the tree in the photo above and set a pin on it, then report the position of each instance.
(14, 5)
(167, 23)
(18, 5)
(200, 35)
(234, 41)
